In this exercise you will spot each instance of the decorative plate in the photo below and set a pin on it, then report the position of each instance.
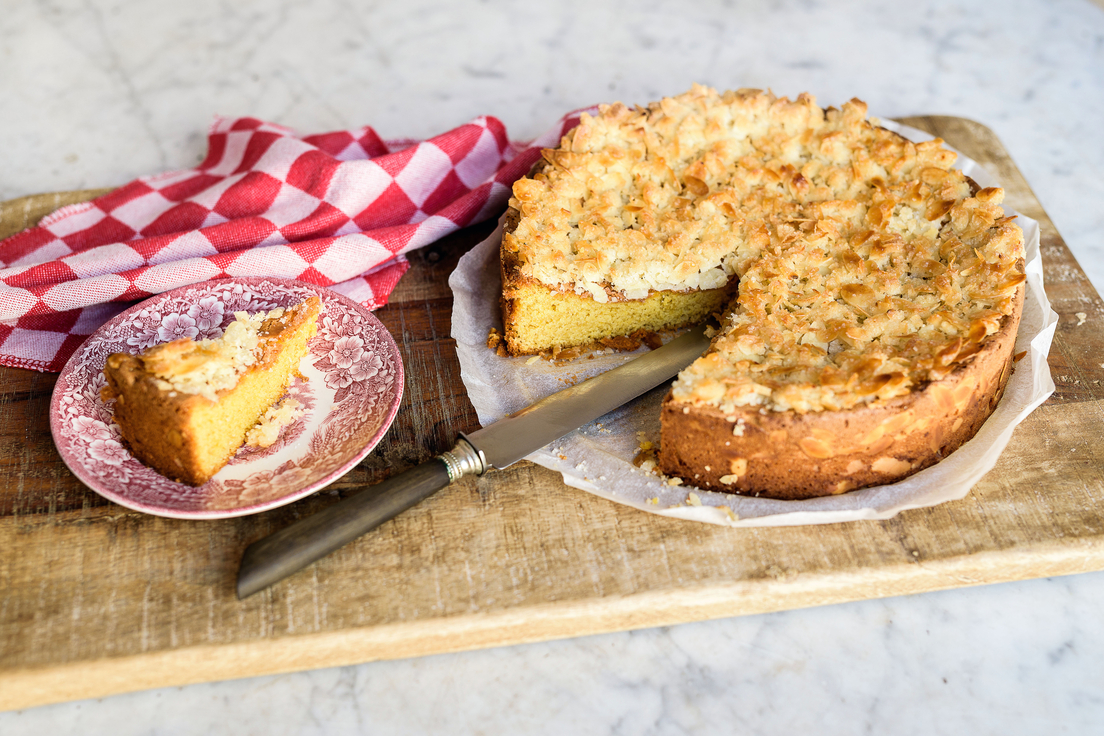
(351, 395)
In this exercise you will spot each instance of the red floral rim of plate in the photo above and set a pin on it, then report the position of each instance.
(351, 395)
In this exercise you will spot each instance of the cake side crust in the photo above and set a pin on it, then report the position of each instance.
(156, 429)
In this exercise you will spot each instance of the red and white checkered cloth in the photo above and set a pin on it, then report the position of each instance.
(337, 209)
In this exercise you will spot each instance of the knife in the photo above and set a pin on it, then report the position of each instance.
(498, 445)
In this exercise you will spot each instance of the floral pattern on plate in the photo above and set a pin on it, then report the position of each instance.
(354, 385)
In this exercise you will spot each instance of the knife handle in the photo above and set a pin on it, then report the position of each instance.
(289, 550)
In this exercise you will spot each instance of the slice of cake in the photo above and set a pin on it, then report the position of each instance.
(870, 292)
(185, 407)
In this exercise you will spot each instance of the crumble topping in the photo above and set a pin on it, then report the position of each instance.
(206, 367)
(866, 264)
(268, 427)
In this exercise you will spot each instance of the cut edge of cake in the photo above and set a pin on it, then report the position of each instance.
(537, 319)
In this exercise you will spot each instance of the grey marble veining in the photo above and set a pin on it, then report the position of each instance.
(1007, 659)
(96, 93)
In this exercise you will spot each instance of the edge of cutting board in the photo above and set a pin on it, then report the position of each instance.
(1048, 511)
(191, 665)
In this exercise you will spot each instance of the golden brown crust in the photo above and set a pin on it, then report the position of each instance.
(153, 425)
(788, 455)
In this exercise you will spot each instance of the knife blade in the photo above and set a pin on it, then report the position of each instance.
(496, 446)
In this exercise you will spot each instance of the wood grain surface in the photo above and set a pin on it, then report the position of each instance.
(96, 599)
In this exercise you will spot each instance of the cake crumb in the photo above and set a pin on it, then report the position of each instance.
(646, 453)
(267, 430)
(1081, 317)
(622, 342)
(532, 360)
(653, 341)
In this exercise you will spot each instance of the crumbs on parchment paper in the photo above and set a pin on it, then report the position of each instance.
(645, 458)
(496, 343)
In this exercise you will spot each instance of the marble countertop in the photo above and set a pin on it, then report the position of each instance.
(96, 93)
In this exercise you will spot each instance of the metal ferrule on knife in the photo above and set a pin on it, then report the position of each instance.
(498, 445)
(463, 459)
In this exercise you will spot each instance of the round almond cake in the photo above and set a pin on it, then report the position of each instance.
(868, 294)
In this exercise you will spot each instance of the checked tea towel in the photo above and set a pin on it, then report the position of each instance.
(337, 209)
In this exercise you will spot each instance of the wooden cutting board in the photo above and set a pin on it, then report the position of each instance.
(96, 599)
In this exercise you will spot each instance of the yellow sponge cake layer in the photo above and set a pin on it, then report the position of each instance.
(541, 319)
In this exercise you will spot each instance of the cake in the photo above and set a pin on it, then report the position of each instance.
(867, 294)
(184, 408)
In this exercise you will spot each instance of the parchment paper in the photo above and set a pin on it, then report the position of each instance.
(598, 457)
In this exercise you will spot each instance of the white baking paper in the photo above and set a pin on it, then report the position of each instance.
(598, 457)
